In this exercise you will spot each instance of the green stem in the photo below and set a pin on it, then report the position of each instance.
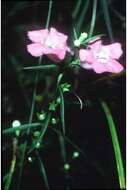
(62, 111)
(93, 20)
(63, 148)
(33, 101)
(64, 157)
(76, 9)
(12, 167)
(42, 170)
(21, 128)
(97, 166)
(107, 18)
(82, 16)
(116, 145)
(49, 14)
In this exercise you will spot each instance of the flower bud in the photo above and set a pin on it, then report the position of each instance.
(77, 43)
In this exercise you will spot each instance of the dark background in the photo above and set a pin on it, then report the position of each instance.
(87, 128)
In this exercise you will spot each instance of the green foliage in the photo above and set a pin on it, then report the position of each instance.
(107, 19)
(65, 87)
(41, 67)
(116, 145)
(62, 109)
(76, 9)
(93, 20)
(52, 106)
(22, 127)
(42, 170)
(92, 39)
(41, 116)
(82, 16)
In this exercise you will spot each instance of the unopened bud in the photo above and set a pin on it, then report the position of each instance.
(77, 43)
(66, 166)
(84, 35)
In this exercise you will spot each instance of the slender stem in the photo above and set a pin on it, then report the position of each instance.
(87, 159)
(93, 20)
(64, 156)
(42, 67)
(69, 141)
(28, 130)
(42, 170)
(107, 18)
(49, 14)
(62, 110)
(22, 127)
(12, 167)
(63, 148)
(82, 15)
(116, 145)
(34, 95)
(76, 9)
(75, 33)
(33, 101)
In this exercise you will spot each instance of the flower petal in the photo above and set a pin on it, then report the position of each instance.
(56, 55)
(62, 37)
(96, 45)
(86, 55)
(114, 66)
(115, 50)
(38, 35)
(99, 67)
(35, 49)
(86, 65)
(56, 39)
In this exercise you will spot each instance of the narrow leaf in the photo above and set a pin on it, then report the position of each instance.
(76, 9)
(82, 16)
(116, 145)
(62, 110)
(40, 67)
(42, 170)
(44, 128)
(104, 4)
(42, 132)
(21, 127)
(62, 148)
(93, 20)
(92, 38)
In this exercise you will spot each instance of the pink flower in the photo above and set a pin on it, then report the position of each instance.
(51, 43)
(101, 58)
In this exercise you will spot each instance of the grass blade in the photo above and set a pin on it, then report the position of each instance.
(42, 170)
(116, 145)
(93, 20)
(62, 110)
(104, 4)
